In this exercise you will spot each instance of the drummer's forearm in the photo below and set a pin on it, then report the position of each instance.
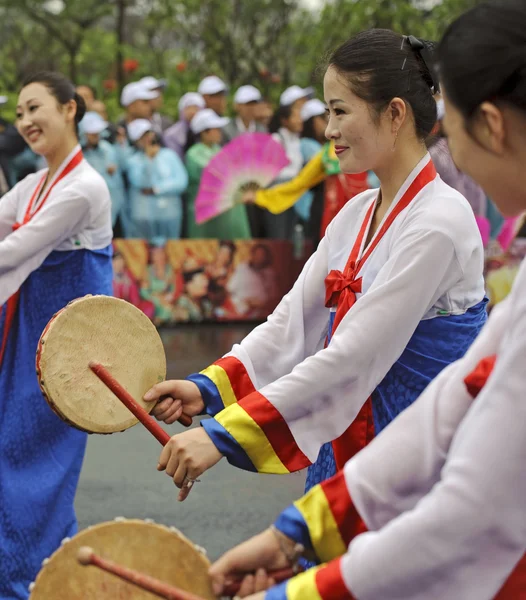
(324, 521)
(223, 383)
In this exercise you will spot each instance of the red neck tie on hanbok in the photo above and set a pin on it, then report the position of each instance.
(340, 292)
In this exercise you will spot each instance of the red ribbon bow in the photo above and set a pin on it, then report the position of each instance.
(341, 290)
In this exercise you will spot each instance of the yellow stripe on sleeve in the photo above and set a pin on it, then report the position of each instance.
(303, 586)
(247, 433)
(221, 380)
(324, 532)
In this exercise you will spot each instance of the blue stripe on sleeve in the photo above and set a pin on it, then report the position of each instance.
(293, 525)
(227, 445)
(209, 392)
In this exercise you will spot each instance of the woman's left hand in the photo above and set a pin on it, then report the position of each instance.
(187, 456)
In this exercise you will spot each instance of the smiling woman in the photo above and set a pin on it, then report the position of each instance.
(393, 294)
(55, 245)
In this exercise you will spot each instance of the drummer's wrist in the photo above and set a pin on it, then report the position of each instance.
(290, 549)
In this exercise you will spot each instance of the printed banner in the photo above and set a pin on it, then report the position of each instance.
(204, 280)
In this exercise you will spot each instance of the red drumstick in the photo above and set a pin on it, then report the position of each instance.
(128, 400)
(86, 557)
(233, 586)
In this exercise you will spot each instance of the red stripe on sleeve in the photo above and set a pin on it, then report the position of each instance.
(238, 375)
(330, 584)
(276, 430)
(349, 522)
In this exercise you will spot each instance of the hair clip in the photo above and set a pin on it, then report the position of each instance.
(421, 49)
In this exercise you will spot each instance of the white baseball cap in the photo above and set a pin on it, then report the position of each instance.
(441, 109)
(246, 94)
(93, 123)
(207, 119)
(137, 91)
(294, 93)
(151, 83)
(137, 128)
(191, 99)
(212, 85)
(312, 108)
(3, 99)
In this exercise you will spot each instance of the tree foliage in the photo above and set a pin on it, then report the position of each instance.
(269, 43)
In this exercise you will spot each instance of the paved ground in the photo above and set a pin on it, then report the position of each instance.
(120, 479)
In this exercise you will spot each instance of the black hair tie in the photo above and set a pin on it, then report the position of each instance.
(420, 48)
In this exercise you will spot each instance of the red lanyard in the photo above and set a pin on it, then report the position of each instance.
(12, 303)
(341, 288)
(32, 207)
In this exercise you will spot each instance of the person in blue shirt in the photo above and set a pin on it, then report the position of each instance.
(102, 156)
(157, 178)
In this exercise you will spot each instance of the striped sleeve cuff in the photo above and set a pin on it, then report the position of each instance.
(257, 427)
(324, 520)
(321, 583)
(222, 384)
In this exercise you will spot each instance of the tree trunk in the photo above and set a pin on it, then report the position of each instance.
(119, 31)
(73, 51)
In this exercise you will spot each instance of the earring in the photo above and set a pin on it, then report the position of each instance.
(395, 140)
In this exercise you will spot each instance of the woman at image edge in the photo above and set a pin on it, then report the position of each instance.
(434, 508)
(394, 294)
(55, 245)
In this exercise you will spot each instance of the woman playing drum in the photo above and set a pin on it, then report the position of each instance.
(393, 294)
(442, 490)
(55, 245)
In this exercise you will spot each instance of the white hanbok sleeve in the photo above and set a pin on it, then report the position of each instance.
(465, 536)
(294, 331)
(384, 484)
(281, 427)
(25, 249)
(8, 206)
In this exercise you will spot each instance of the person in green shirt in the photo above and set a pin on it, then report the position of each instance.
(232, 224)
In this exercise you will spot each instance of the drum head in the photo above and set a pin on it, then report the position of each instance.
(152, 549)
(108, 331)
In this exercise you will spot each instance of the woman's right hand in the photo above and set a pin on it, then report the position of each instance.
(175, 397)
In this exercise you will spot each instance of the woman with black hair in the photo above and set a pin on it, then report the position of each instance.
(441, 491)
(55, 245)
(393, 294)
(286, 126)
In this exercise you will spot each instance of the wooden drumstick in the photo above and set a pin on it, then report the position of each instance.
(129, 401)
(233, 586)
(87, 557)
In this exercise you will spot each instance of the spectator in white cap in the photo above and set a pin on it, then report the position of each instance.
(176, 136)
(157, 179)
(232, 224)
(214, 90)
(160, 121)
(286, 127)
(295, 94)
(246, 100)
(309, 208)
(136, 100)
(102, 156)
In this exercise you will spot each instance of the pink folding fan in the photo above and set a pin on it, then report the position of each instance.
(251, 159)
